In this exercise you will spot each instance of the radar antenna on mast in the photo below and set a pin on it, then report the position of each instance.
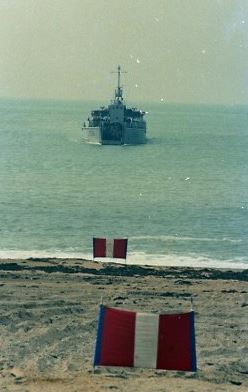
(118, 91)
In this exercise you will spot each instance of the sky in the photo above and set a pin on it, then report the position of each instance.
(188, 51)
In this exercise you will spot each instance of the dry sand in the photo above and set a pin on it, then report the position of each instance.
(48, 323)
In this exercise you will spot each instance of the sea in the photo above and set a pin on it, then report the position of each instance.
(181, 199)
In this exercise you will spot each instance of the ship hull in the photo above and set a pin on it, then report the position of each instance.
(127, 136)
(135, 136)
(91, 135)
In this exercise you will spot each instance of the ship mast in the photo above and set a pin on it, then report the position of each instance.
(118, 91)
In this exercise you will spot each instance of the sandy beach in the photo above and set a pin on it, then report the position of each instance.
(49, 318)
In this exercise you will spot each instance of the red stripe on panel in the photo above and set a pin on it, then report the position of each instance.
(120, 248)
(117, 344)
(174, 342)
(99, 247)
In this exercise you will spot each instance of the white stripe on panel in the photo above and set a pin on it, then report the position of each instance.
(146, 340)
(109, 247)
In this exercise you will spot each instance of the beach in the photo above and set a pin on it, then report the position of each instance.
(49, 319)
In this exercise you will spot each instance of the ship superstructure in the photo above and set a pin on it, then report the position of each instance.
(116, 123)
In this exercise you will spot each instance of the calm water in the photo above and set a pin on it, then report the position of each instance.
(180, 199)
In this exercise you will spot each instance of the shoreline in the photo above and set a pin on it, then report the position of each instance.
(49, 319)
(96, 267)
(133, 259)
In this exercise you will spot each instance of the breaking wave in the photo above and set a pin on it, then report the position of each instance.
(178, 238)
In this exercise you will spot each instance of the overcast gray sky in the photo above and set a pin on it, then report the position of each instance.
(175, 50)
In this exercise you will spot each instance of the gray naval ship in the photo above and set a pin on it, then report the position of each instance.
(115, 124)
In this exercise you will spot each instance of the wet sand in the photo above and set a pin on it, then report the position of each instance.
(48, 323)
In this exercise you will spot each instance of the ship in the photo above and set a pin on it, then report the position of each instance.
(115, 124)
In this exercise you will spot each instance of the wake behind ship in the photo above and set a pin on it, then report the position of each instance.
(116, 124)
